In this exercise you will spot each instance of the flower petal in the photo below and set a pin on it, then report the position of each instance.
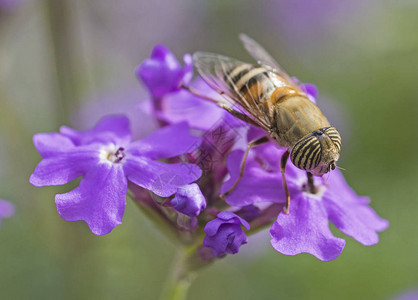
(189, 200)
(187, 69)
(50, 144)
(112, 129)
(337, 184)
(257, 184)
(184, 106)
(371, 219)
(228, 239)
(99, 200)
(305, 230)
(65, 167)
(230, 217)
(310, 89)
(160, 178)
(224, 217)
(169, 141)
(224, 234)
(350, 213)
(162, 73)
(355, 219)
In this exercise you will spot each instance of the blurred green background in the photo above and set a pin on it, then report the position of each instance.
(57, 56)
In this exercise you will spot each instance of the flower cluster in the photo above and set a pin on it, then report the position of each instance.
(107, 159)
(306, 227)
(180, 170)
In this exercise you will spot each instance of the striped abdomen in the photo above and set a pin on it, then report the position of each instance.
(320, 147)
(255, 84)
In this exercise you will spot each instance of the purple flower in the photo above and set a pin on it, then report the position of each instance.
(224, 234)
(189, 200)
(305, 228)
(162, 73)
(6, 209)
(107, 159)
(310, 89)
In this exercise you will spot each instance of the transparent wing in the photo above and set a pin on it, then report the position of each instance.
(264, 58)
(216, 71)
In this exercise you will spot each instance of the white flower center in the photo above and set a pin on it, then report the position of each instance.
(319, 187)
(112, 154)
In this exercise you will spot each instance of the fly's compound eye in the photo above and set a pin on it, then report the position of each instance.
(335, 137)
(306, 154)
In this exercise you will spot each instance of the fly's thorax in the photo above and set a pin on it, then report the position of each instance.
(317, 152)
(295, 116)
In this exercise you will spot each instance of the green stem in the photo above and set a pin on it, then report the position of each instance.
(157, 218)
(187, 261)
(181, 277)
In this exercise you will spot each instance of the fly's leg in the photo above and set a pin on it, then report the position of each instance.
(232, 111)
(254, 143)
(199, 95)
(238, 115)
(283, 163)
(311, 186)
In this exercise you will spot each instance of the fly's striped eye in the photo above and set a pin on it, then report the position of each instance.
(335, 137)
(306, 154)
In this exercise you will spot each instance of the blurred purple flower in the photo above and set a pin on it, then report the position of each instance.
(107, 159)
(305, 228)
(224, 234)
(162, 73)
(189, 200)
(129, 101)
(410, 295)
(121, 31)
(9, 5)
(310, 89)
(7, 209)
(310, 23)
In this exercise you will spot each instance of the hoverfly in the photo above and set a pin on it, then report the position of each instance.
(264, 95)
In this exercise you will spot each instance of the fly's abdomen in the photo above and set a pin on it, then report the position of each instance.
(255, 84)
